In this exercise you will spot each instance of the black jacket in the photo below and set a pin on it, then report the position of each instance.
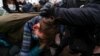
(87, 16)
(86, 21)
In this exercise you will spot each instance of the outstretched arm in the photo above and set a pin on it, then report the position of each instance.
(76, 16)
(87, 16)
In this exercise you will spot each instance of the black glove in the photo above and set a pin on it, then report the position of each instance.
(47, 10)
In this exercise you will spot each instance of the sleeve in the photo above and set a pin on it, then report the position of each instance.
(26, 40)
(75, 16)
(27, 36)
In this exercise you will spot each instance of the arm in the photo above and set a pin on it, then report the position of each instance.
(87, 16)
(26, 40)
(27, 36)
(76, 16)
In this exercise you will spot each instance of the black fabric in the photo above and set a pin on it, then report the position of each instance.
(81, 40)
(94, 0)
(83, 23)
(79, 16)
(85, 20)
(97, 36)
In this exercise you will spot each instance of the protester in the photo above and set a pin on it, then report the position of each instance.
(28, 36)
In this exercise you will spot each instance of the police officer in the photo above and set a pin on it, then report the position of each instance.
(86, 18)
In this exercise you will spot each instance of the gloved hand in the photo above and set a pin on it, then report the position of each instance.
(47, 10)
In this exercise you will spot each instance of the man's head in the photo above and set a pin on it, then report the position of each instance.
(46, 30)
(49, 29)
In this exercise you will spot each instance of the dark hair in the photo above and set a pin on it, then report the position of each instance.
(49, 29)
(47, 24)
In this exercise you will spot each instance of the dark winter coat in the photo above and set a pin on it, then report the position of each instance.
(85, 20)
